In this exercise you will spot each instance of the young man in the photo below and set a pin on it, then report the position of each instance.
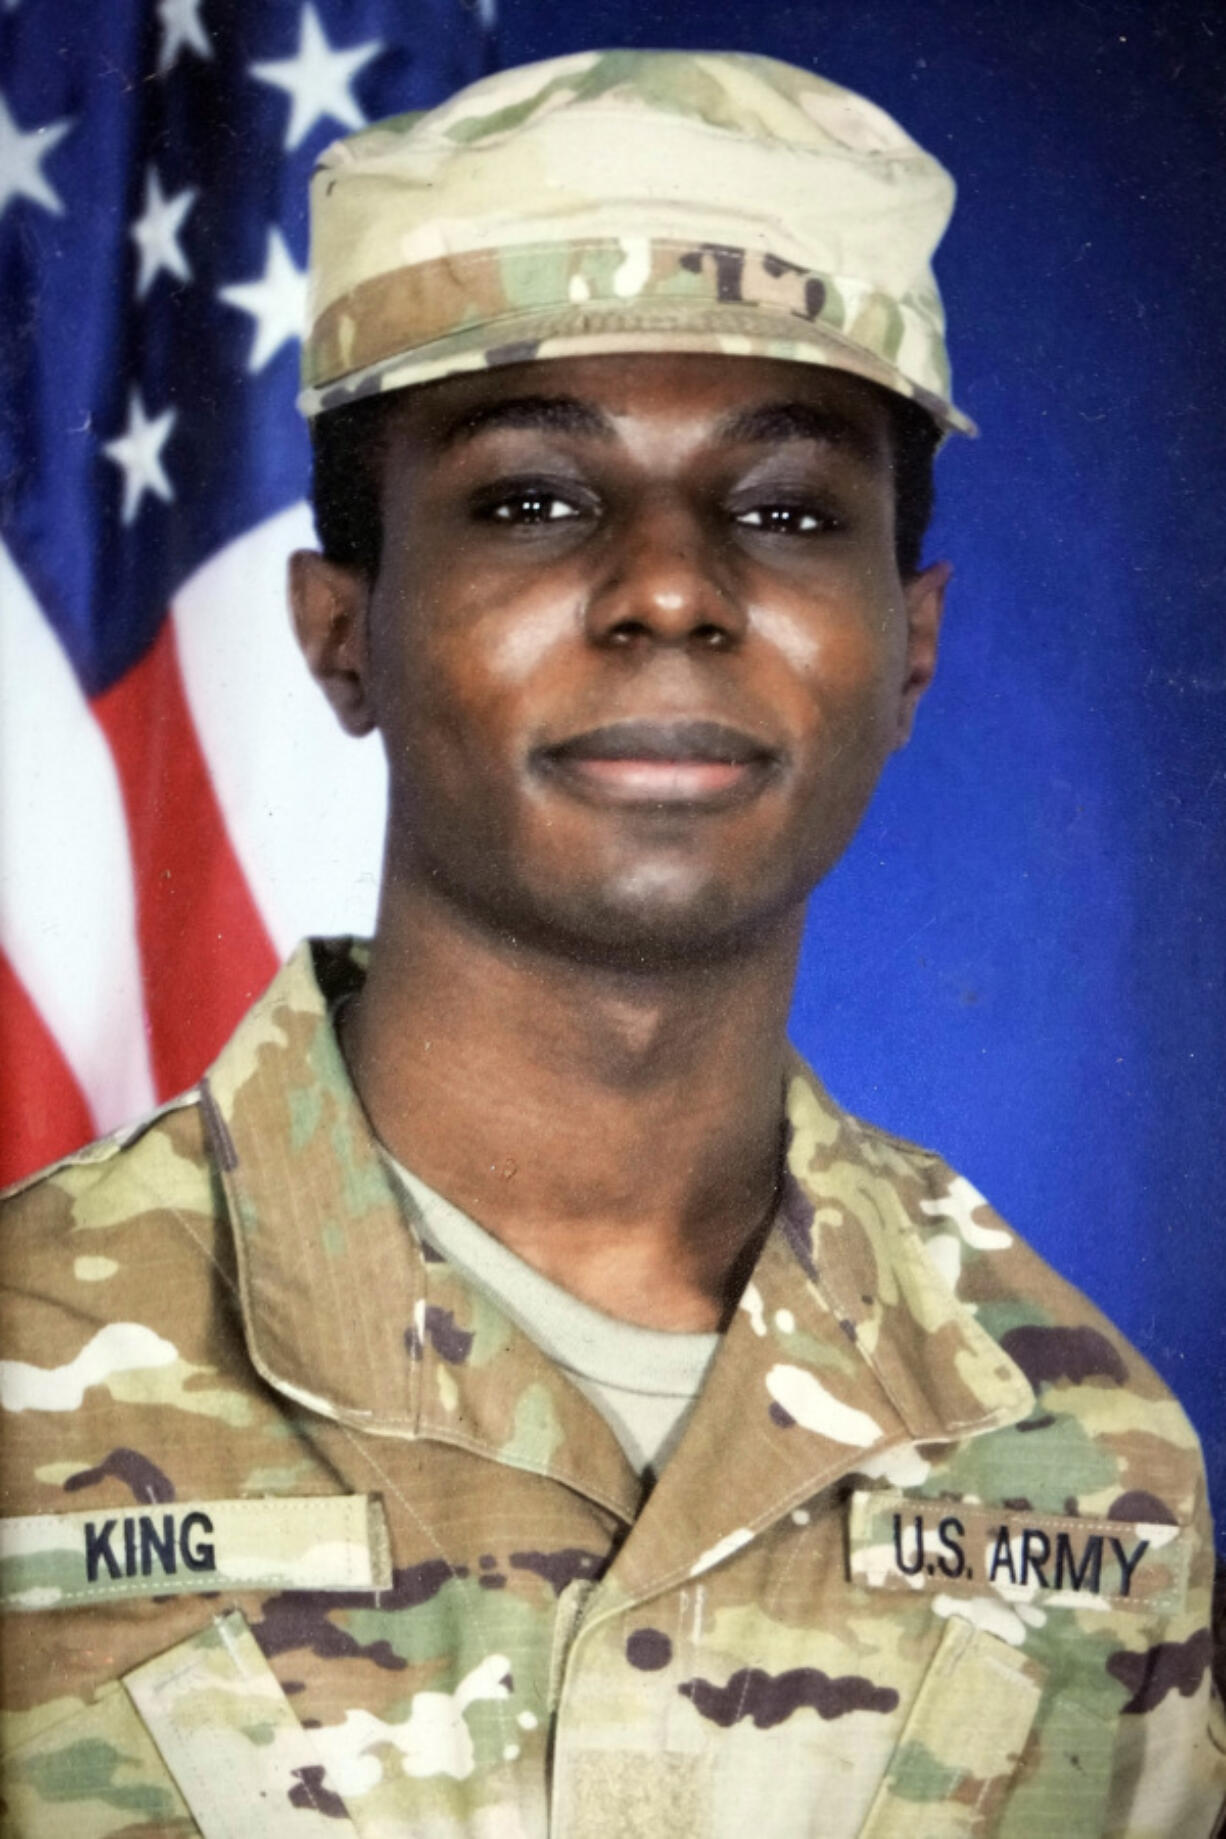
(510, 1396)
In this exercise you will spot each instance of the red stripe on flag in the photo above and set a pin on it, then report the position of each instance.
(205, 952)
(45, 1113)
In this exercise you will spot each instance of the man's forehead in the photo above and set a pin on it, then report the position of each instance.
(721, 400)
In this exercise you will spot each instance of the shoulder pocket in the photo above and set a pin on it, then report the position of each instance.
(228, 1735)
(961, 1745)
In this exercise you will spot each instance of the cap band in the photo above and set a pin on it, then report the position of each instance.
(399, 328)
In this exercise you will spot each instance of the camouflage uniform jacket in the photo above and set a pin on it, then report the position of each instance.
(932, 1558)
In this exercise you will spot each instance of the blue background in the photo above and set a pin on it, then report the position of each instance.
(1020, 962)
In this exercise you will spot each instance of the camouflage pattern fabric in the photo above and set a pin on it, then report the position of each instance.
(932, 1558)
(629, 201)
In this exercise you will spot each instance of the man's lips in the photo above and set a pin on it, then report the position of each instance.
(672, 763)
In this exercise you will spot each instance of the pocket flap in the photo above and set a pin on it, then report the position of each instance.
(228, 1735)
(951, 1773)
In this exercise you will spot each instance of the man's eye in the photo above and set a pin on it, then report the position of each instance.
(785, 519)
(531, 507)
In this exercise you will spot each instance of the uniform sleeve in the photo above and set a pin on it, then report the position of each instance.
(1169, 1768)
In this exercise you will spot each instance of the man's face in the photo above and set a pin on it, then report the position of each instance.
(638, 647)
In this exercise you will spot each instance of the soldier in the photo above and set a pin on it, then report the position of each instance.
(509, 1396)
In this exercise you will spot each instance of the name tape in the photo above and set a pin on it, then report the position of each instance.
(899, 1542)
(178, 1548)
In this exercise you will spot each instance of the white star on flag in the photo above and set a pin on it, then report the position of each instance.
(277, 301)
(138, 454)
(181, 30)
(317, 79)
(156, 234)
(21, 157)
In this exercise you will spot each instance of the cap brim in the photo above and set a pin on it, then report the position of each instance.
(722, 330)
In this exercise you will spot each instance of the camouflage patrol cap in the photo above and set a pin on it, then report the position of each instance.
(629, 201)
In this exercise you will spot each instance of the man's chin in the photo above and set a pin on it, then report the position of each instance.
(643, 935)
(648, 917)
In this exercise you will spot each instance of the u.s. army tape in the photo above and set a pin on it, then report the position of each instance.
(967, 1548)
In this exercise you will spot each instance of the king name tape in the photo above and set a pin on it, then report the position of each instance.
(328, 1542)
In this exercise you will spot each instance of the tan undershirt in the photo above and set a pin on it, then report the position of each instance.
(643, 1381)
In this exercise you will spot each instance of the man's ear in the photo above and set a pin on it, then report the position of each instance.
(329, 608)
(924, 595)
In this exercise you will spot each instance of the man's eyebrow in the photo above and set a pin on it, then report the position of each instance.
(771, 423)
(553, 414)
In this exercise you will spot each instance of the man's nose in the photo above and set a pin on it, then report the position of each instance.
(665, 579)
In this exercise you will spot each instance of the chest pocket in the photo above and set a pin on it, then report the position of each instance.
(955, 1764)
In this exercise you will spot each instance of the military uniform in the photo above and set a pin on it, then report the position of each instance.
(300, 1531)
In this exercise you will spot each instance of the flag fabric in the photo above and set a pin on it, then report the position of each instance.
(176, 805)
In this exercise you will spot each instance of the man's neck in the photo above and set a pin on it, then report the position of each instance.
(620, 1131)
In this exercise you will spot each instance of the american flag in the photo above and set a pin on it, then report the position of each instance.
(176, 805)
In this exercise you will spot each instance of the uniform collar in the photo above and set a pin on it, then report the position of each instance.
(848, 1348)
(848, 1341)
(345, 1309)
